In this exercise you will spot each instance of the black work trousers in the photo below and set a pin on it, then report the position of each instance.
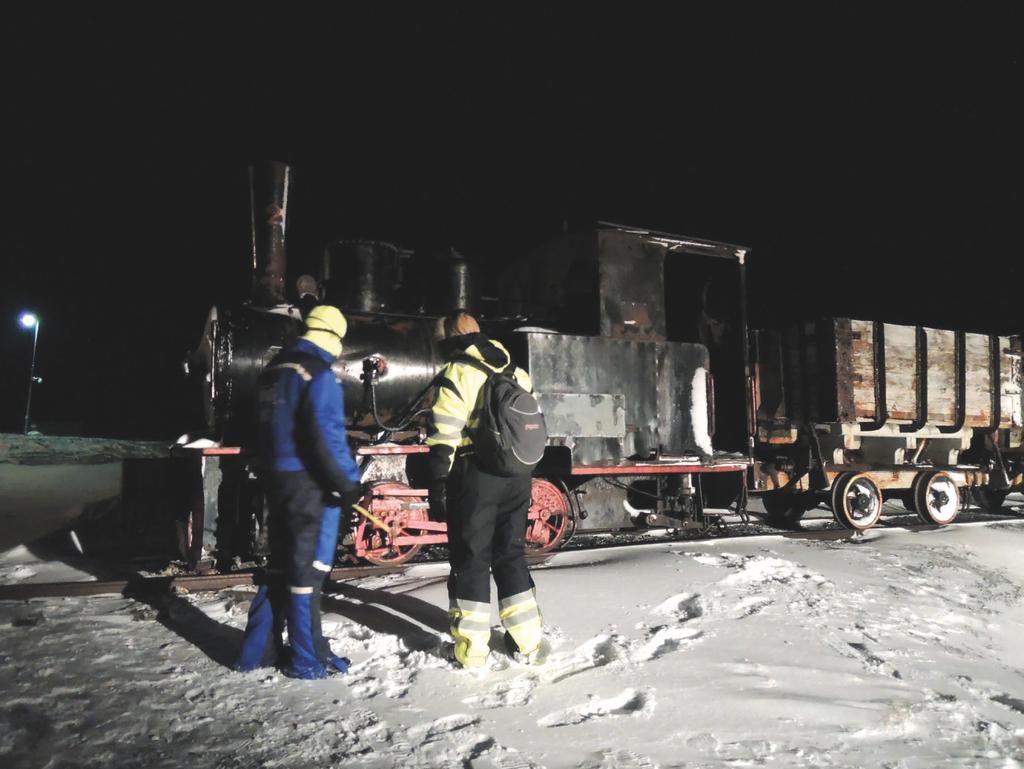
(486, 532)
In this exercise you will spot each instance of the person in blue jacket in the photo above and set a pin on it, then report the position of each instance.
(311, 477)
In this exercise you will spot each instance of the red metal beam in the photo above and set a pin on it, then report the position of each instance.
(401, 493)
(651, 469)
(368, 451)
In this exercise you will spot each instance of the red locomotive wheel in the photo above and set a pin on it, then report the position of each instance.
(548, 521)
(397, 513)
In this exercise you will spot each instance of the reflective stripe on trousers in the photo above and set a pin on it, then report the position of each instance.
(520, 616)
(471, 629)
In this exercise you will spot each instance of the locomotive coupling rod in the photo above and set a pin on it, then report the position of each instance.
(371, 517)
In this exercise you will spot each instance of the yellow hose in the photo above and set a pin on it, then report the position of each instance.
(371, 517)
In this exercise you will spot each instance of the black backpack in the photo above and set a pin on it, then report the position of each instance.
(510, 438)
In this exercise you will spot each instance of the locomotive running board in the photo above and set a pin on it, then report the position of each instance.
(660, 469)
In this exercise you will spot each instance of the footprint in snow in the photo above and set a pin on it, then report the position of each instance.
(1013, 703)
(630, 702)
(618, 759)
(662, 641)
(751, 605)
(427, 732)
(682, 607)
(597, 652)
(507, 694)
(872, 661)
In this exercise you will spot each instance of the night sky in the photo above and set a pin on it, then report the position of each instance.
(873, 163)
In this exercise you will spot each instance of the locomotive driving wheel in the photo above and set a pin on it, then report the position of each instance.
(548, 518)
(936, 497)
(856, 501)
(398, 512)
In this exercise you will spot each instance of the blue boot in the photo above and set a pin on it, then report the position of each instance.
(258, 630)
(304, 662)
(340, 664)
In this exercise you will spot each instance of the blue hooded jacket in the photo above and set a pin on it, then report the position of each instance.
(302, 418)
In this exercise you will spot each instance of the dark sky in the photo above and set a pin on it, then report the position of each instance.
(872, 162)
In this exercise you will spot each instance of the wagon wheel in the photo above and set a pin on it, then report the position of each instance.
(988, 499)
(784, 508)
(936, 497)
(397, 513)
(856, 501)
(548, 517)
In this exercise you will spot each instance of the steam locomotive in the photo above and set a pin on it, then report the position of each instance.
(662, 408)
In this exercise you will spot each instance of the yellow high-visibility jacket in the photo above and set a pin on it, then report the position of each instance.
(456, 411)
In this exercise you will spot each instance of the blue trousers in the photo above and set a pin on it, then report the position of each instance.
(303, 536)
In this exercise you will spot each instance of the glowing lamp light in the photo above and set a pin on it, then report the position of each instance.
(29, 320)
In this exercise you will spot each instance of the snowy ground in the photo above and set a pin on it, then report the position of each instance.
(38, 499)
(896, 649)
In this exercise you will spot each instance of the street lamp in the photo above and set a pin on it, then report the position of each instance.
(30, 320)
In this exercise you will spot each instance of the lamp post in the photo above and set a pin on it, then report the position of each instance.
(30, 320)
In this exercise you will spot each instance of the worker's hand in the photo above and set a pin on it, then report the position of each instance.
(438, 500)
(351, 497)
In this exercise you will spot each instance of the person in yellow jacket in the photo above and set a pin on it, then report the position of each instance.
(486, 513)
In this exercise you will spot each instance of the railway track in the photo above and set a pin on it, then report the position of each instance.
(142, 585)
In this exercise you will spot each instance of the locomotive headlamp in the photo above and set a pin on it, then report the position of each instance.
(374, 368)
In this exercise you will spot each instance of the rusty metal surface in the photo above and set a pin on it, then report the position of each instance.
(608, 281)
(360, 275)
(890, 478)
(631, 285)
(598, 415)
(654, 381)
(878, 374)
(269, 185)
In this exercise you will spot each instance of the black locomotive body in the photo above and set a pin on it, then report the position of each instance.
(622, 375)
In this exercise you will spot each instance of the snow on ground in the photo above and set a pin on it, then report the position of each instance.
(38, 499)
(895, 649)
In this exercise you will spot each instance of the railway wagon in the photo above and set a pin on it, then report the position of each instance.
(853, 412)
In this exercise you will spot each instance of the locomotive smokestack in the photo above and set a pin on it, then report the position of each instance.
(269, 183)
